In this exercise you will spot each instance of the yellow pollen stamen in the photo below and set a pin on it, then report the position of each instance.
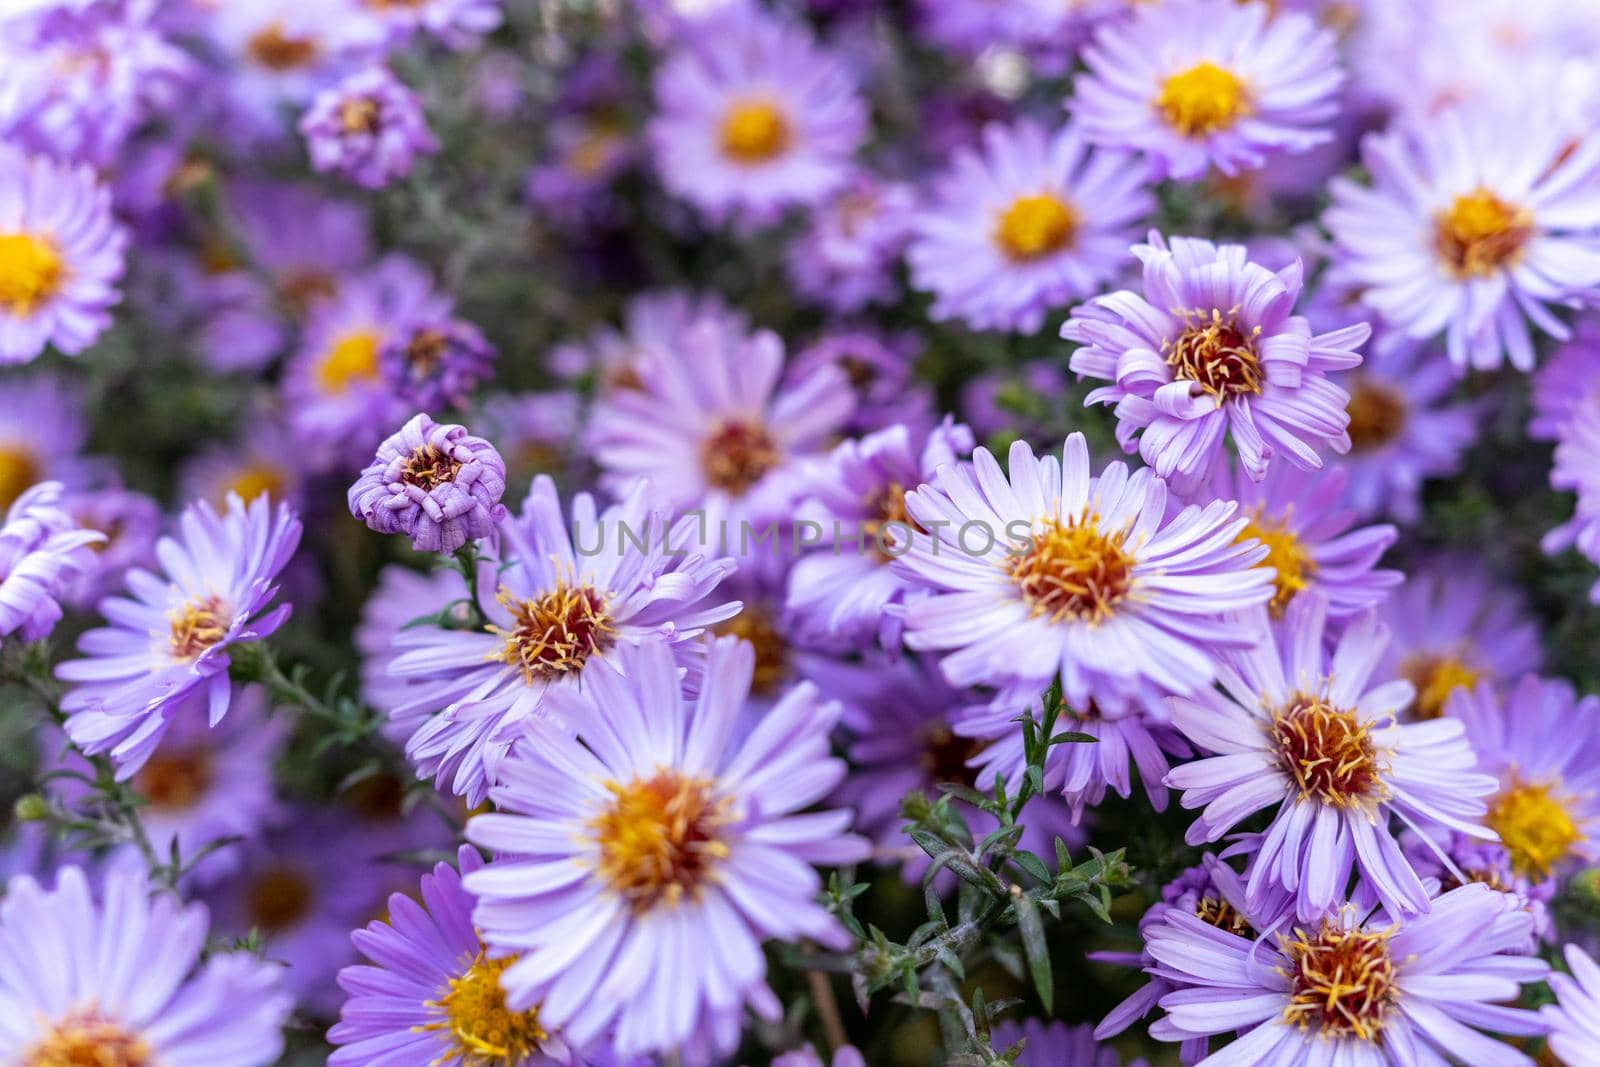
(88, 1039)
(19, 470)
(1287, 555)
(756, 625)
(1436, 678)
(754, 131)
(353, 358)
(1535, 826)
(427, 468)
(278, 898)
(1377, 415)
(252, 481)
(482, 1030)
(358, 115)
(1072, 570)
(660, 839)
(1328, 752)
(1342, 982)
(1223, 916)
(1202, 100)
(554, 634)
(737, 455)
(196, 626)
(174, 781)
(889, 518)
(275, 50)
(1036, 226)
(1215, 354)
(31, 272)
(1480, 233)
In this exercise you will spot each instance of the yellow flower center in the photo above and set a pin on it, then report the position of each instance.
(554, 634)
(174, 781)
(661, 837)
(353, 358)
(756, 625)
(737, 455)
(275, 50)
(1216, 355)
(754, 131)
(1377, 415)
(278, 898)
(254, 480)
(1036, 226)
(1341, 982)
(427, 467)
(88, 1039)
(1535, 827)
(196, 626)
(1328, 752)
(1287, 555)
(1480, 233)
(19, 470)
(1202, 100)
(358, 115)
(1072, 570)
(482, 1029)
(1436, 677)
(31, 272)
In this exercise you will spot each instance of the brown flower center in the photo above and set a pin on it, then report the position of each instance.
(1480, 233)
(756, 625)
(1342, 982)
(1222, 915)
(359, 114)
(197, 626)
(278, 898)
(1072, 570)
(737, 455)
(88, 1039)
(428, 468)
(661, 837)
(273, 49)
(175, 781)
(556, 633)
(1328, 752)
(1215, 354)
(1377, 415)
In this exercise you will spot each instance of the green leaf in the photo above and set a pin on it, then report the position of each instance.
(1035, 948)
(1032, 864)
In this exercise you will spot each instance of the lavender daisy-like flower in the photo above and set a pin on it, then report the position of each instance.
(1212, 347)
(663, 321)
(881, 369)
(459, 24)
(42, 550)
(1302, 730)
(558, 600)
(1574, 1019)
(1024, 227)
(711, 428)
(1567, 383)
(1542, 744)
(60, 257)
(131, 523)
(430, 995)
(846, 257)
(400, 597)
(842, 591)
(1053, 569)
(1577, 470)
(648, 833)
(173, 636)
(368, 128)
(43, 432)
(437, 484)
(1310, 544)
(1476, 223)
(753, 117)
(436, 364)
(1453, 625)
(127, 980)
(1210, 83)
(1346, 989)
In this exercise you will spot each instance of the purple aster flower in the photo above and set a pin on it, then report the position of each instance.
(400, 597)
(881, 369)
(42, 550)
(618, 851)
(557, 599)
(435, 365)
(1209, 83)
(1310, 544)
(1453, 625)
(711, 428)
(1455, 859)
(1343, 989)
(1567, 383)
(970, 27)
(1574, 1019)
(1475, 225)
(172, 637)
(368, 128)
(662, 321)
(264, 461)
(430, 995)
(1212, 346)
(459, 24)
(1543, 746)
(127, 980)
(1303, 730)
(435, 483)
(60, 257)
(753, 117)
(42, 435)
(1577, 470)
(130, 522)
(306, 242)
(846, 257)
(843, 591)
(1057, 570)
(1024, 227)
(1054, 1044)
(535, 432)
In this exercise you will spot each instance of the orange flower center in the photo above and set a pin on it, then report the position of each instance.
(660, 839)
(1342, 982)
(554, 634)
(754, 131)
(1480, 233)
(1072, 570)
